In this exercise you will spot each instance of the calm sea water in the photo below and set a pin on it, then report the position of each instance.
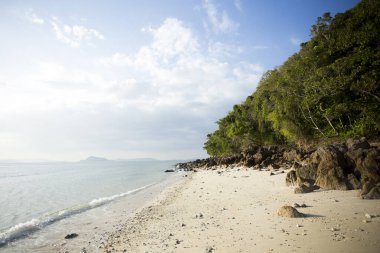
(35, 195)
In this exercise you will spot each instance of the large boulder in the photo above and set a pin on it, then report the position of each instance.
(332, 168)
(365, 163)
(308, 171)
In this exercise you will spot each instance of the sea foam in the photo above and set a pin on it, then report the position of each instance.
(26, 228)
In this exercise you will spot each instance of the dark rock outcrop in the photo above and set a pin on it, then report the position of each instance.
(353, 164)
(331, 174)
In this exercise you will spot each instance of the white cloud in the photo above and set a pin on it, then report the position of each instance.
(160, 101)
(116, 59)
(222, 50)
(32, 17)
(174, 71)
(238, 5)
(220, 21)
(295, 41)
(74, 35)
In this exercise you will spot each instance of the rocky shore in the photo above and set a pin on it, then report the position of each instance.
(354, 164)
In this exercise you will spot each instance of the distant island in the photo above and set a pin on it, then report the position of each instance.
(95, 159)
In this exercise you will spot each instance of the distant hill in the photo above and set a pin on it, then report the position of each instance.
(95, 159)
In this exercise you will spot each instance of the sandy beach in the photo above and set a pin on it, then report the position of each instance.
(235, 210)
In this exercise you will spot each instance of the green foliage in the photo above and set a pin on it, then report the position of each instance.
(329, 89)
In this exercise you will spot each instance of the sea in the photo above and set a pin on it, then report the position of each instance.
(41, 202)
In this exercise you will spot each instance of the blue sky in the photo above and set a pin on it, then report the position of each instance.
(126, 79)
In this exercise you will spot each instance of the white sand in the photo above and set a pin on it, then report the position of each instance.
(239, 215)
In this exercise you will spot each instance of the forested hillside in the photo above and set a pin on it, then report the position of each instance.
(328, 90)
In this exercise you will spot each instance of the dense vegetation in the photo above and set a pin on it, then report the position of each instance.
(328, 90)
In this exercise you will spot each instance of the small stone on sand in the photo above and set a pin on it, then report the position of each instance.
(289, 211)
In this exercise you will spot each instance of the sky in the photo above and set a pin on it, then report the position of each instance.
(136, 78)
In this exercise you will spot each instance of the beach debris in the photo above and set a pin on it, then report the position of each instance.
(296, 205)
(183, 225)
(368, 216)
(71, 236)
(200, 216)
(209, 249)
(170, 170)
(289, 211)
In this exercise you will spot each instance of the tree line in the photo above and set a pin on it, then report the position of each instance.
(328, 90)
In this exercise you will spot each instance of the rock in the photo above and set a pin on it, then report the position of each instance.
(356, 143)
(352, 182)
(365, 163)
(295, 205)
(289, 211)
(291, 178)
(374, 193)
(273, 167)
(331, 169)
(368, 216)
(292, 155)
(366, 188)
(257, 167)
(307, 173)
(170, 170)
(304, 188)
(71, 236)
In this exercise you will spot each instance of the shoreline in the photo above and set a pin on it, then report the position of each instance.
(92, 226)
(234, 210)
